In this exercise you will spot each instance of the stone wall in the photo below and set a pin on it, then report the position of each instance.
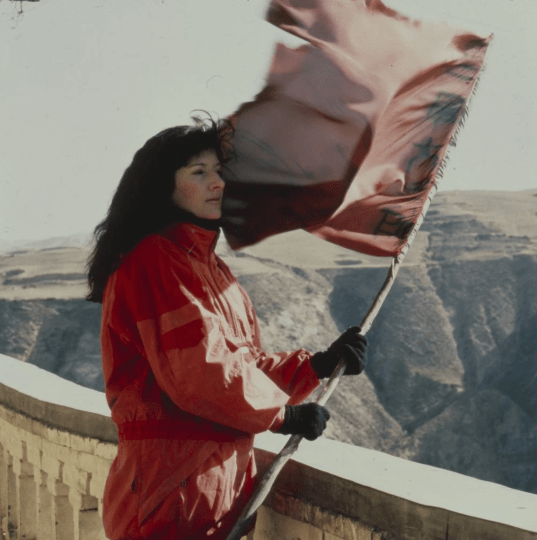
(54, 460)
(51, 481)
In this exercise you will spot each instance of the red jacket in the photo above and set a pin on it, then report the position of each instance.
(188, 385)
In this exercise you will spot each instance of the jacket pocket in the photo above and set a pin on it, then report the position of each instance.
(122, 494)
(165, 464)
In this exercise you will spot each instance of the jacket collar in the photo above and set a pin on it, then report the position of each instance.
(192, 238)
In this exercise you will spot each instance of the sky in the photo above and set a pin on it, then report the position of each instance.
(84, 84)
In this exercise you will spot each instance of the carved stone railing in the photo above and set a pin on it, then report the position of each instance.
(57, 442)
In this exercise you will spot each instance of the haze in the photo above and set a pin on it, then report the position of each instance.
(84, 84)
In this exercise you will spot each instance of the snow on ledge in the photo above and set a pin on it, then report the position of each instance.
(45, 386)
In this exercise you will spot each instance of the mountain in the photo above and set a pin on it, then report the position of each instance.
(73, 240)
(452, 373)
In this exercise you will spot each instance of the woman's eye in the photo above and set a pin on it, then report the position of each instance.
(199, 171)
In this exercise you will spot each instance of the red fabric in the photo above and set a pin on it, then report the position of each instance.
(183, 430)
(347, 137)
(188, 385)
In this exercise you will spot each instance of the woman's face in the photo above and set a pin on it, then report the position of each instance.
(199, 187)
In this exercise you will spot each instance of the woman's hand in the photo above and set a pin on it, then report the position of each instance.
(351, 345)
(308, 420)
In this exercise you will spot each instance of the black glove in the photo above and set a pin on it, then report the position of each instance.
(308, 420)
(352, 345)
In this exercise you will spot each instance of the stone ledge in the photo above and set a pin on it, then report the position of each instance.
(406, 499)
(326, 520)
(58, 417)
(49, 388)
(275, 525)
(314, 496)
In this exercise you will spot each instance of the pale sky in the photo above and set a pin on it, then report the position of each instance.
(84, 84)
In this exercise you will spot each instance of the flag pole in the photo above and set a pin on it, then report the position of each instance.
(269, 477)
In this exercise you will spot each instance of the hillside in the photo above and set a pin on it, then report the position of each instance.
(452, 373)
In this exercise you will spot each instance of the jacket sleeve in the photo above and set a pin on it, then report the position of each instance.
(163, 312)
(291, 371)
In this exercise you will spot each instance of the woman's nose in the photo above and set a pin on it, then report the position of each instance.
(217, 182)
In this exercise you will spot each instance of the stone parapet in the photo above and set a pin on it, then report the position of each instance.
(57, 442)
(51, 481)
(353, 493)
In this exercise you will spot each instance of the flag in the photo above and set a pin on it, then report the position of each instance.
(349, 133)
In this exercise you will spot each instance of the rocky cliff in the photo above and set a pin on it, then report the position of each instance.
(452, 373)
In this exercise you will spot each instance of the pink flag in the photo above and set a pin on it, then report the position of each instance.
(349, 133)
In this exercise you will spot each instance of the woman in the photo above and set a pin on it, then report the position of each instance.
(186, 378)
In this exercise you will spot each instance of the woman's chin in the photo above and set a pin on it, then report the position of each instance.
(211, 215)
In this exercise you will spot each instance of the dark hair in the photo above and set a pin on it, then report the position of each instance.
(142, 203)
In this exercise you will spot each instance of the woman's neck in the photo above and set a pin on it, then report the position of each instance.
(183, 216)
